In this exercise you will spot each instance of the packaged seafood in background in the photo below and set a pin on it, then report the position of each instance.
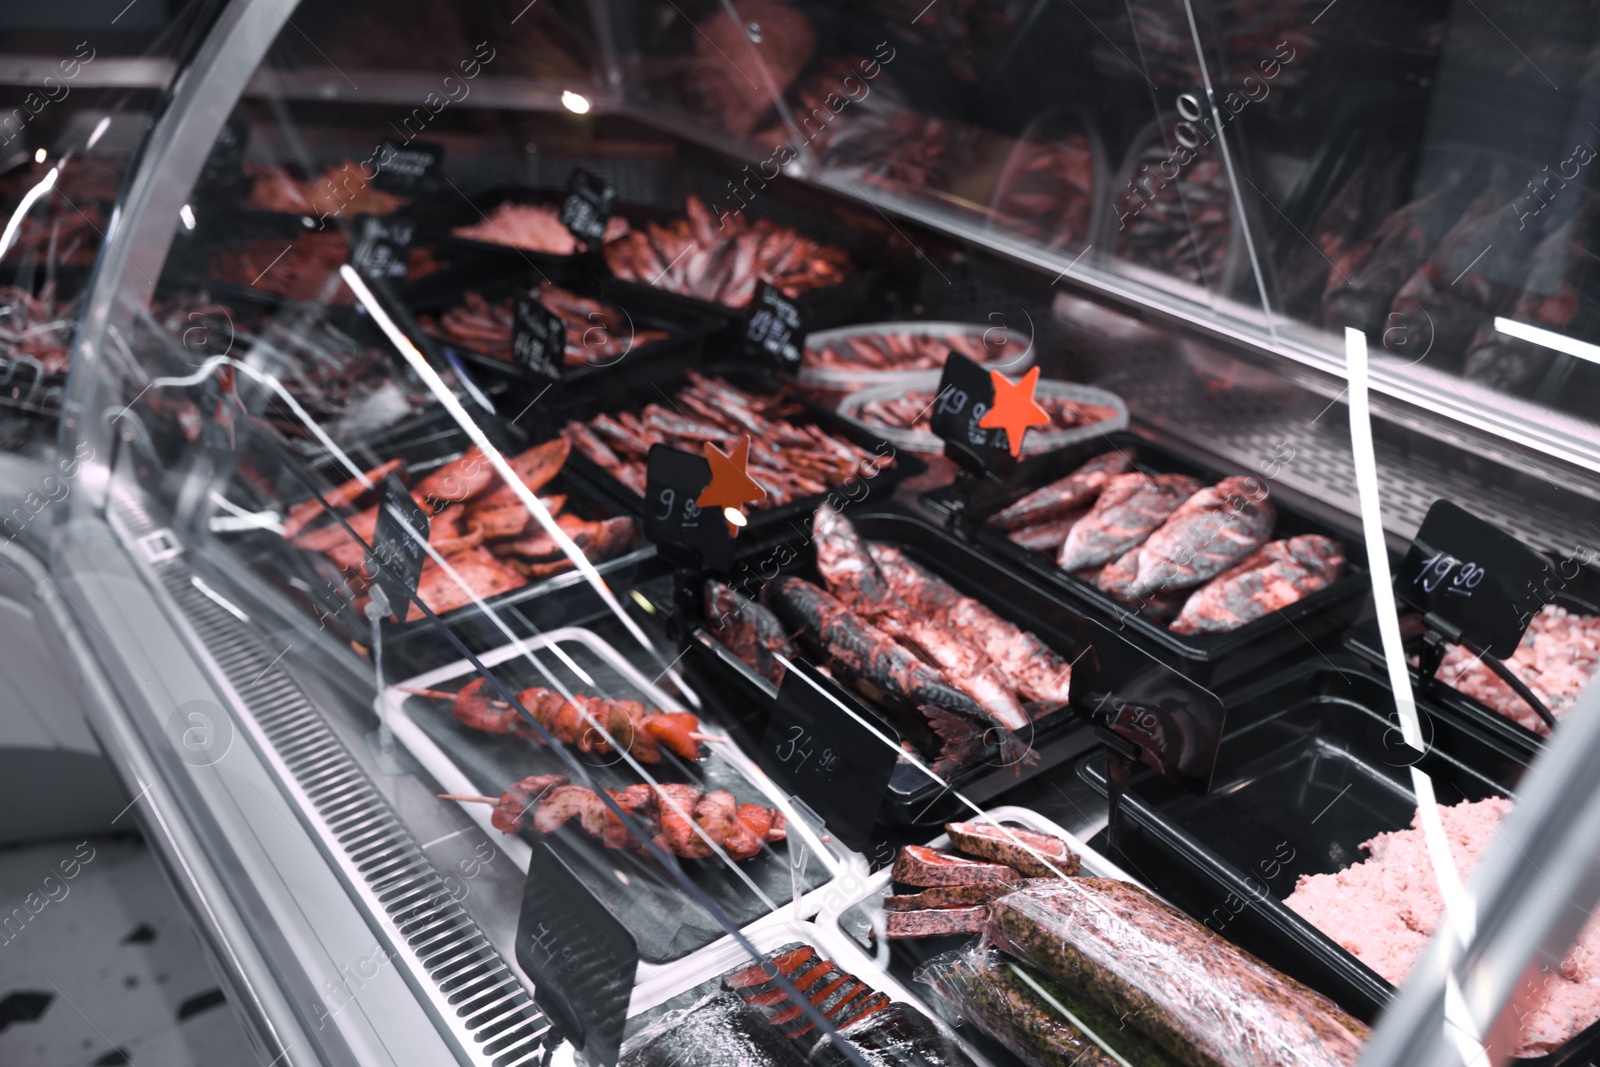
(1044, 1023)
(1129, 509)
(725, 48)
(342, 189)
(305, 269)
(1383, 910)
(1047, 191)
(720, 259)
(1189, 992)
(789, 459)
(1364, 281)
(1558, 656)
(1370, 194)
(1180, 226)
(1272, 578)
(533, 228)
(596, 331)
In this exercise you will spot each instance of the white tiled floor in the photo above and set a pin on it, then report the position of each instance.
(124, 975)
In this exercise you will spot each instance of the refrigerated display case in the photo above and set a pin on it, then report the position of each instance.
(533, 575)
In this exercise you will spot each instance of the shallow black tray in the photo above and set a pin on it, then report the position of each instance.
(1214, 660)
(645, 899)
(914, 799)
(1313, 763)
(656, 384)
(687, 330)
(1582, 596)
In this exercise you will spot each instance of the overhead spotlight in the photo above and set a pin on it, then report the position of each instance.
(576, 103)
(40, 155)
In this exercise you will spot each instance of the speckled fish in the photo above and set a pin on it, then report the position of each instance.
(1130, 508)
(1214, 529)
(747, 629)
(1077, 490)
(860, 650)
(1116, 579)
(1268, 580)
(843, 562)
(1046, 537)
(1029, 665)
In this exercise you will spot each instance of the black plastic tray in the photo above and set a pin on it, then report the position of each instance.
(1313, 763)
(1364, 641)
(427, 442)
(1214, 660)
(657, 382)
(687, 330)
(914, 799)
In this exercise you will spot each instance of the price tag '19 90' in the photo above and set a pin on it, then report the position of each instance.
(966, 393)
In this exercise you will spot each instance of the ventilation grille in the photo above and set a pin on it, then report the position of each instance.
(492, 1011)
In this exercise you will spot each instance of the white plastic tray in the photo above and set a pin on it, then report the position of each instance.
(841, 378)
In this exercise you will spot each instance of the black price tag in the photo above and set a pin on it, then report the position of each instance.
(380, 248)
(582, 960)
(828, 757)
(409, 169)
(1474, 576)
(1173, 723)
(224, 167)
(674, 480)
(966, 393)
(399, 554)
(773, 331)
(587, 208)
(538, 338)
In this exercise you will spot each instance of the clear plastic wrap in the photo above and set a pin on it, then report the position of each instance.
(1039, 1021)
(718, 1031)
(897, 1036)
(1206, 1002)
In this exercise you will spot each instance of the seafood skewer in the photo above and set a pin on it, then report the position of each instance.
(637, 727)
(682, 819)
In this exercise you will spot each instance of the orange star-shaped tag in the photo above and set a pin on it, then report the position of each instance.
(731, 488)
(1014, 408)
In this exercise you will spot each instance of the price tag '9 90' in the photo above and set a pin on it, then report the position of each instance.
(681, 530)
(966, 393)
(1475, 577)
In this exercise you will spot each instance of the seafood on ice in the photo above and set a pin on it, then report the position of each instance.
(790, 457)
(1194, 557)
(913, 641)
(681, 819)
(486, 539)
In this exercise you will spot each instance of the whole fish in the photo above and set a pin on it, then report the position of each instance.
(1046, 537)
(1130, 508)
(1116, 579)
(749, 630)
(1029, 666)
(853, 646)
(1214, 529)
(853, 575)
(1272, 578)
(1077, 490)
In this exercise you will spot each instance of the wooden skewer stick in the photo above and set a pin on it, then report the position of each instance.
(468, 799)
(436, 694)
(708, 737)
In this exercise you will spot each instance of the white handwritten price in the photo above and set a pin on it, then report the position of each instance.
(691, 510)
(560, 956)
(1439, 566)
(791, 749)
